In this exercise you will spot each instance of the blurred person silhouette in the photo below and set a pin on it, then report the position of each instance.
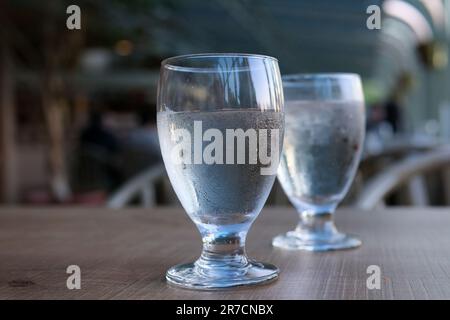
(141, 146)
(379, 130)
(98, 156)
(393, 107)
(95, 134)
(375, 115)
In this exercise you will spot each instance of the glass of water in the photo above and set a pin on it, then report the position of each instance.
(221, 126)
(325, 126)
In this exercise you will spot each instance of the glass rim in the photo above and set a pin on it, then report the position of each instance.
(304, 78)
(171, 62)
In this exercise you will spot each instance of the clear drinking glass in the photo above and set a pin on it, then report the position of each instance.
(221, 126)
(325, 126)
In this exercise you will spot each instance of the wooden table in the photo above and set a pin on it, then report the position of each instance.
(124, 255)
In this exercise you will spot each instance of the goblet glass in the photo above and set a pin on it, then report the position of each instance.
(220, 125)
(325, 126)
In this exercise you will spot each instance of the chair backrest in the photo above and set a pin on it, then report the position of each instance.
(142, 186)
(398, 149)
(407, 171)
(375, 161)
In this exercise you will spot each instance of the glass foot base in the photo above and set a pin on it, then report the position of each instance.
(190, 276)
(294, 241)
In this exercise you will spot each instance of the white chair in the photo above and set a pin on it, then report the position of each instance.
(410, 172)
(142, 186)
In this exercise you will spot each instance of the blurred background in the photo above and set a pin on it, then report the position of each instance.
(77, 107)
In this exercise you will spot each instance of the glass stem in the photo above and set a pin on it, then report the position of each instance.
(223, 253)
(316, 226)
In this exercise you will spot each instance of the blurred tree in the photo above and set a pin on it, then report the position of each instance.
(8, 176)
(41, 42)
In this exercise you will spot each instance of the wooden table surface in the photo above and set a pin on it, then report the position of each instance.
(124, 255)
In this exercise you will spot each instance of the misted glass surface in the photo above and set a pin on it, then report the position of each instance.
(325, 123)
